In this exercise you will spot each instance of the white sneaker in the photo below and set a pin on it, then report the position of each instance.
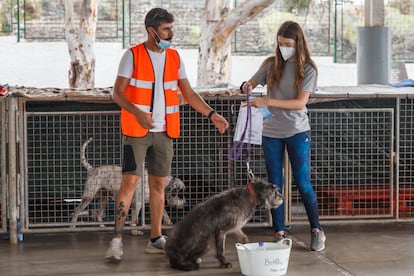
(157, 247)
(114, 252)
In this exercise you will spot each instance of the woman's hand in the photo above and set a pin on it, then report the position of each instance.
(258, 102)
(248, 85)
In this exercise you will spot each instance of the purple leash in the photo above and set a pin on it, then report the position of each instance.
(236, 150)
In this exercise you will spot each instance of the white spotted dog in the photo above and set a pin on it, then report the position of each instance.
(109, 178)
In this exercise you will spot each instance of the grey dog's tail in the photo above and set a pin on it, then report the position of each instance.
(85, 162)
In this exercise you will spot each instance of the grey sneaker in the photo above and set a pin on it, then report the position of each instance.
(157, 247)
(114, 252)
(318, 240)
(278, 237)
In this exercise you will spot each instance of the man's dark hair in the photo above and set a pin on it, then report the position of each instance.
(157, 16)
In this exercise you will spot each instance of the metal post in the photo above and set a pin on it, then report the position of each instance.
(287, 188)
(374, 47)
(123, 24)
(12, 170)
(143, 179)
(3, 162)
(395, 161)
(335, 33)
(374, 51)
(129, 22)
(18, 20)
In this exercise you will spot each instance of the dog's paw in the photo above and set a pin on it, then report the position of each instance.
(226, 265)
(244, 240)
(136, 232)
(168, 222)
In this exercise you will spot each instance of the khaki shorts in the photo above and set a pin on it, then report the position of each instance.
(157, 147)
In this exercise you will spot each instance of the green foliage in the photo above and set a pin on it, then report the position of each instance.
(297, 6)
(193, 36)
(5, 16)
(5, 25)
(33, 9)
(402, 32)
(50, 4)
(405, 7)
(400, 24)
(107, 11)
(353, 20)
(269, 30)
(351, 24)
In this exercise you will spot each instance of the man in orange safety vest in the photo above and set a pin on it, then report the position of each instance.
(150, 75)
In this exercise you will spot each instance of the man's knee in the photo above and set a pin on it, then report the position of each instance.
(157, 184)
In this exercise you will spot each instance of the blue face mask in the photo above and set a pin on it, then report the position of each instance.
(163, 44)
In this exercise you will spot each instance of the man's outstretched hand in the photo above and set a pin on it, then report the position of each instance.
(219, 122)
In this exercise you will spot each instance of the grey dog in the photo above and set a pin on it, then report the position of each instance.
(109, 178)
(224, 213)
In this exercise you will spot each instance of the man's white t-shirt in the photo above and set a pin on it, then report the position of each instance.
(126, 68)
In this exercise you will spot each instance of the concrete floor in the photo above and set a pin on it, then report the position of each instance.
(351, 249)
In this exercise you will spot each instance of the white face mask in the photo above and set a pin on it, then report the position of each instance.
(287, 52)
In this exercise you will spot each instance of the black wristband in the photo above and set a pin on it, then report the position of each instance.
(241, 86)
(211, 114)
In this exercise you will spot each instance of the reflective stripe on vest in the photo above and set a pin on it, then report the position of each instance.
(140, 92)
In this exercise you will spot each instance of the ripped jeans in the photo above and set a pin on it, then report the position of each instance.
(298, 147)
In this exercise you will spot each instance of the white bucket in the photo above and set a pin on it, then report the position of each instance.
(272, 260)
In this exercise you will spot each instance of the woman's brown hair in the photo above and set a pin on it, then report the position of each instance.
(292, 30)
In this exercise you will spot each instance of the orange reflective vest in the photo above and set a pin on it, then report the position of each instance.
(140, 92)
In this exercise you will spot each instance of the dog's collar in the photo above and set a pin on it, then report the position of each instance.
(252, 192)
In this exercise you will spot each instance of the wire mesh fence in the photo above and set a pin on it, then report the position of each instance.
(56, 177)
(354, 169)
(405, 185)
(352, 161)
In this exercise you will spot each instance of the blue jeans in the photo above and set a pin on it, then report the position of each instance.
(298, 147)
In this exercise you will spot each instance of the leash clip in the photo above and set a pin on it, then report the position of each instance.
(250, 173)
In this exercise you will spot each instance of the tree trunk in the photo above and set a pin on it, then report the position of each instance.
(214, 61)
(81, 44)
